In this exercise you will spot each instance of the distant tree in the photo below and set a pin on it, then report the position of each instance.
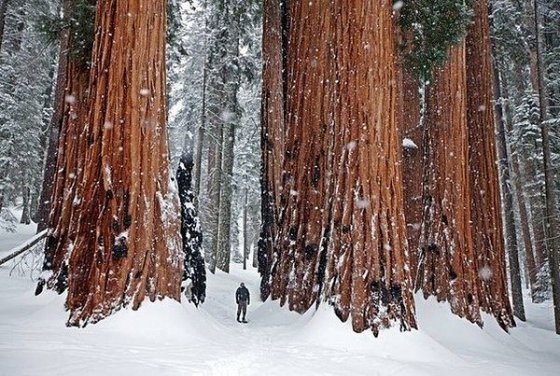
(25, 66)
(194, 273)
(3, 10)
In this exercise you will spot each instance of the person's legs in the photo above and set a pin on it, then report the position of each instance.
(239, 310)
(244, 309)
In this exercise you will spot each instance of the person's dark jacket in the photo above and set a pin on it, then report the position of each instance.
(242, 295)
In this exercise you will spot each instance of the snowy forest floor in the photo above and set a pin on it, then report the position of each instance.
(168, 338)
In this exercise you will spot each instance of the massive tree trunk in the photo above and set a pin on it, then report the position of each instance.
(446, 266)
(127, 239)
(485, 199)
(275, 29)
(333, 210)
(65, 161)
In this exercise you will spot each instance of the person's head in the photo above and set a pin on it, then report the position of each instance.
(242, 284)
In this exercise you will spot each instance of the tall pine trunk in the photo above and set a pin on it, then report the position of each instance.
(551, 219)
(26, 195)
(3, 10)
(230, 118)
(510, 227)
(520, 195)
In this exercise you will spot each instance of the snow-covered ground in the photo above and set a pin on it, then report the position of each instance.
(9, 240)
(168, 338)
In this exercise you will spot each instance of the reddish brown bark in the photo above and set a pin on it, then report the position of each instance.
(485, 199)
(412, 165)
(341, 228)
(446, 262)
(127, 240)
(272, 133)
(67, 148)
(56, 125)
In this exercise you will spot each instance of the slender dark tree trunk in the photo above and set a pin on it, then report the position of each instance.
(202, 128)
(26, 193)
(507, 199)
(520, 195)
(230, 122)
(194, 273)
(551, 219)
(245, 232)
(3, 10)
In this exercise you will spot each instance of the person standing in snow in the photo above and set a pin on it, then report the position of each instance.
(242, 299)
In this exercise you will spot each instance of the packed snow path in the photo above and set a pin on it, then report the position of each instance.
(167, 338)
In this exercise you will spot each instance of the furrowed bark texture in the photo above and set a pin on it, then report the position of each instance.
(485, 200)
(446, 267)
(67, 127)
(272, 133)
(412, 165)
(56, 125)
(127, 243)
(340, 223)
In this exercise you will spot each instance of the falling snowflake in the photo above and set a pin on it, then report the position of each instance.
(398, 5)
(362, 203)
(70, 99)
(485, 273)
(351, 145)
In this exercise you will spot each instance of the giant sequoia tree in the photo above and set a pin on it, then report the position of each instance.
(123, 223)
(446, 262)
(332, 202)
(485, 199)
(66, 151)
(461, 243)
